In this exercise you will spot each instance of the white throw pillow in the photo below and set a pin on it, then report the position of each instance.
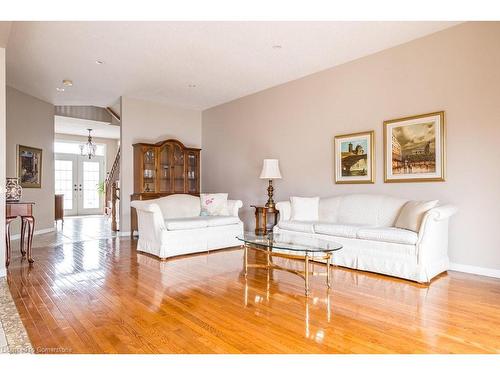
(214, 204)
(306, 209)
(412, 213)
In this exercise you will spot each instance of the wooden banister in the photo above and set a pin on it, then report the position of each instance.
(111, 189)
(115, 196)
(114, 173)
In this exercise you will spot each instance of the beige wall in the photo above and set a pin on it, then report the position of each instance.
(456, 70)
(2, 161)
(5, 27)
(30, 122)
(144, 121)
(111, 145)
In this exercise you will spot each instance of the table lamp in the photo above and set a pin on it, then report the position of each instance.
(270, 171)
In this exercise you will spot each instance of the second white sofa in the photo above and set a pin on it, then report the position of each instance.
(364, 225)
(172, 225)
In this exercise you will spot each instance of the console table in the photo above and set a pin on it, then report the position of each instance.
(25, 211)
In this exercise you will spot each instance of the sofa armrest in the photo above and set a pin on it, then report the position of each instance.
(285, 210)
(433, 234)
(433, 216)
(146, 206)
(233, 207)
(442, 212)
(150, 213)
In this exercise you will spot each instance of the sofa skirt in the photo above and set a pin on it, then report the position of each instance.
(399, 260)
(188, 241)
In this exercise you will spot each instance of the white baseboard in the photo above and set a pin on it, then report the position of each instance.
(491, 272)
(40, 231)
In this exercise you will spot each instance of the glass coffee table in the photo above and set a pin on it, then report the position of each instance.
(290, 246)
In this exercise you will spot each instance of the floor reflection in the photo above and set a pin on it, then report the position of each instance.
(318, 309)
(75, 229)
(92, 257)
(321, 304)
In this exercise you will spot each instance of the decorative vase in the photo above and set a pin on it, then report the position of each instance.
(13, 190)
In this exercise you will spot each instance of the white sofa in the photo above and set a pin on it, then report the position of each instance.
(364, 225)
(172, 225)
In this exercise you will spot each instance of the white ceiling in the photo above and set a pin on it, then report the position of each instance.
(159, 60)
(75, 126)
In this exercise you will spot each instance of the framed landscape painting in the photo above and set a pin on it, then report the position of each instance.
(29, 166)
(354, 158)
(414, 148)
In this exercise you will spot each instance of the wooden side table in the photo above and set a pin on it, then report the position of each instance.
(261, 216)
(25, 211)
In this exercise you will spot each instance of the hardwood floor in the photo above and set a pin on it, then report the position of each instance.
(76, 229)
(101, 296)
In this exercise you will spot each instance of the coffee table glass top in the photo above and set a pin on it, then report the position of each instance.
(287, 241)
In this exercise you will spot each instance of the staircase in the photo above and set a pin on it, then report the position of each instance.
(112, 189)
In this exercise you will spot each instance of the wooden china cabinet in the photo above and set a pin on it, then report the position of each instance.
(164, 168)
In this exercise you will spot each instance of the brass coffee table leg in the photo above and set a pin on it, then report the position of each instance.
(328, 277)
(306, 272)
(245, 259)
(269, 264)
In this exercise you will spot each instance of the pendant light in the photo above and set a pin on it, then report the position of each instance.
(88, 149)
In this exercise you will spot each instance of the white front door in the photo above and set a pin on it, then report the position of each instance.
(78, 179)
(66, 181)
(90, 175)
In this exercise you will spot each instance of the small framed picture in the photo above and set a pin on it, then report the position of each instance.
(354, 158)
(414, 148)
(29, 166)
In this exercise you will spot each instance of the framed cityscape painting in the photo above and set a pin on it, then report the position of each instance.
(354, 158)
(414, 148)
(29, 166)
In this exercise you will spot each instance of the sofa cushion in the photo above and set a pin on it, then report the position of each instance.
(389, 234)
(179, 205)
(186, 223)
(368, 209)
(297, 225)
(329, 209)
(305, 209)
(216, 221)
(340, 230)
(214, 204)
(412, 213)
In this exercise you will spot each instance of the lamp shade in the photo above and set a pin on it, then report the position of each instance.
(270, 169)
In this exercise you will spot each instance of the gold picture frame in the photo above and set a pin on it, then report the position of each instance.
(416, 150)
(354, 158)
(29, 166)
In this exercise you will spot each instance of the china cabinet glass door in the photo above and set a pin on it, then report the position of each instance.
(165, 168)
(192, 172)
(149, 170)
(178, 164)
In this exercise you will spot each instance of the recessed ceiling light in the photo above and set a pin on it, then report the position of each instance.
(191, 85)
(277, 46)
(60, 89)
(67, 82)
(99, 62)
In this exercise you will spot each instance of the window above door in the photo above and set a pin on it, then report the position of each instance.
(72, 147)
